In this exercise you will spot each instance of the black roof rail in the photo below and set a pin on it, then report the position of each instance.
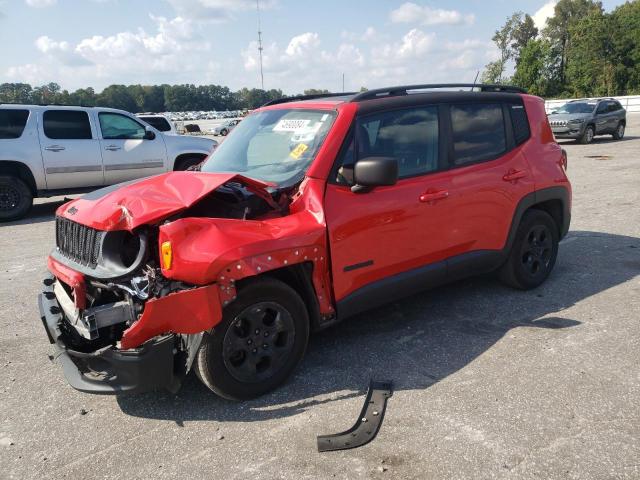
(297, 98)
(404, 89)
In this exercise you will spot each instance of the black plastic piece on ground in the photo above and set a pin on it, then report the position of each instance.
(368, 424)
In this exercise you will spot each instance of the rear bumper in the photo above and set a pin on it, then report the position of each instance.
(108, 370)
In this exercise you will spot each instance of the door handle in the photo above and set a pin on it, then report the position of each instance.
(432, 196)
(514, 175)
(112, 148)
(54, 148)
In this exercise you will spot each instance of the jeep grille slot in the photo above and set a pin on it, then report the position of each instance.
(78, 242)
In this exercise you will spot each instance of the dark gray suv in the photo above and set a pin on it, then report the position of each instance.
(584, 119)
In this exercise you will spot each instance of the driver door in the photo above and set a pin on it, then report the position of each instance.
(126, 153)
(390, 238)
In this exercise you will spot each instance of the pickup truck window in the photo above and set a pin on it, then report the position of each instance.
(66, 125)
(12, 123)
(120, 127)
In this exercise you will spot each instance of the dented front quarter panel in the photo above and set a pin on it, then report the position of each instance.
(147, 201)
(208, 250)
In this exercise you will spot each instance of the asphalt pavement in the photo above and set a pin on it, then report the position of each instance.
(489, 382)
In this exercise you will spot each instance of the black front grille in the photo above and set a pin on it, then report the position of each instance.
(78, 242)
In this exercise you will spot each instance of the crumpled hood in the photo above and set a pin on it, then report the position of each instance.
(128, 205)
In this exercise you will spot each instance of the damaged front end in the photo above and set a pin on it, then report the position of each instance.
(119, 325)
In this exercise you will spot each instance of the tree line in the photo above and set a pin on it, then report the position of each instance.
(142, 98)
(582, 51)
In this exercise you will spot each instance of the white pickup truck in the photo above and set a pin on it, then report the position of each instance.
(54, 150)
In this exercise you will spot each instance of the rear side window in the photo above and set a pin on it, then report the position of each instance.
(478, 132)
(159, 123)
(66, 125)
(12, 123)
(520, 123)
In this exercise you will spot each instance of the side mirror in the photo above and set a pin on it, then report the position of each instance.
(149, 134)
(372, 172)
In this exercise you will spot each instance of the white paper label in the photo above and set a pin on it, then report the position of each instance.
(291, 125)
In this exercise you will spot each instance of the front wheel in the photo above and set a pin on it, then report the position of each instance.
(619, 133)
(15, 198)
(533, 253)
(261, 339)
(587, 136)
(224, 132)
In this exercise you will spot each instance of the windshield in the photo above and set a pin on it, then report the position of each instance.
(273, 145)
(576, 107)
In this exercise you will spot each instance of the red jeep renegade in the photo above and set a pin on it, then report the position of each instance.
(312, 210)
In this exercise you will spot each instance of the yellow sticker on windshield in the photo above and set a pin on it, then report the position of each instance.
(298, 151)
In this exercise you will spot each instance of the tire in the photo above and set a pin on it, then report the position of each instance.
(224, 132)
(619, 133)
(260, 341)
(16, 198)
(533, 253)
(187, 163)
(587, 136)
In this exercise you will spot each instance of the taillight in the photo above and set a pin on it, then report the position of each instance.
(563, 160)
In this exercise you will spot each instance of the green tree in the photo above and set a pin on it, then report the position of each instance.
(315, 91)
(504, 38)
(557, 31)
(524, 32)
(625, 28)
(117, 96)
(532, 70)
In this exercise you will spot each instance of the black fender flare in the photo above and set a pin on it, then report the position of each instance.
(535, 198)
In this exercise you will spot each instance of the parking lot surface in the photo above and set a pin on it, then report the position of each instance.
(489, 382)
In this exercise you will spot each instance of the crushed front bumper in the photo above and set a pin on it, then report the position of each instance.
(108, 370)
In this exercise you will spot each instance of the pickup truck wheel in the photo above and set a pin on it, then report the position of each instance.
(619, 133)
(187, 163)
(261, 339)
(15, 198)
(533, 253)
(587, 136)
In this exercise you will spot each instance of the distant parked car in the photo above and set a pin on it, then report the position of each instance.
(159, 122)
(224, 128)
(54, 150)
(584, 119)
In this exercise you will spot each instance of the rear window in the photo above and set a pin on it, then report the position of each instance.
(12, 123)
(159, 123)
(478, 132)
(520, 123)
(66, 125)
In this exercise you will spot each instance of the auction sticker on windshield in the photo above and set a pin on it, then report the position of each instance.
(291, 125)
(298, 151)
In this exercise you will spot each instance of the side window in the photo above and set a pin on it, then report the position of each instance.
(409, 135)
(12, 123)
(614, 106)
(602, 107)
(66, 125)
(478, 132)
(120, 127)
(520, 123)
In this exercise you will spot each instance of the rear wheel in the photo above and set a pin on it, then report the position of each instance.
(15, 198)
(224, 132)
(619, 133)
(587, 136)
(261, 339)
(188, 162)
(533, 253)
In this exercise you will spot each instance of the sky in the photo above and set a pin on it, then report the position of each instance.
(307, 44)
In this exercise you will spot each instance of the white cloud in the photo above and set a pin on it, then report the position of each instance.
(41, 3)
(216, 10)
(543, 14)
(412, 13)
(302, 44)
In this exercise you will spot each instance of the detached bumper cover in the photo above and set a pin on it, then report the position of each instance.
(108, 370)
